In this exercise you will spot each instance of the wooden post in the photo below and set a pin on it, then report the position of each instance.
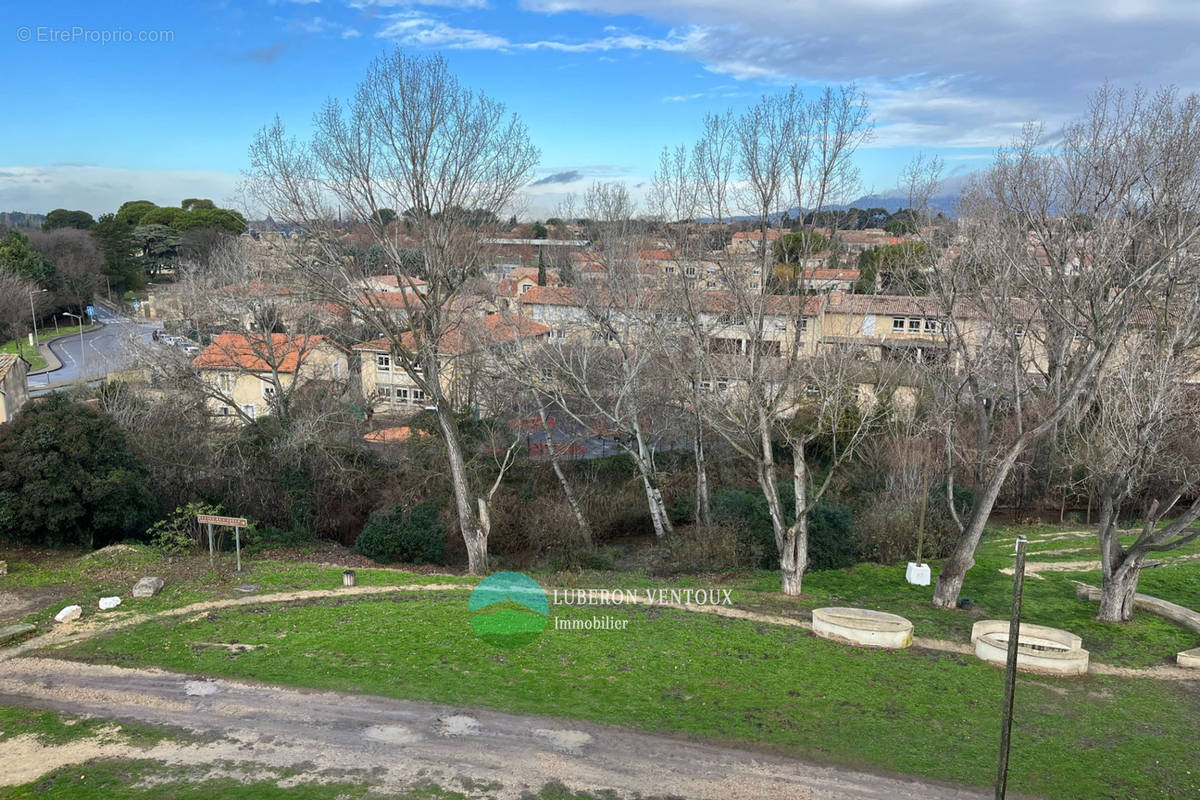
(1010, 672)
(237, 543)
(212, 562)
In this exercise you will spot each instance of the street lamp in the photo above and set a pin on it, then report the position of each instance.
(82, 350)
(33, 316)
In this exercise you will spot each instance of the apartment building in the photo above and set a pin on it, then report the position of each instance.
(245, 373)
(465, 361)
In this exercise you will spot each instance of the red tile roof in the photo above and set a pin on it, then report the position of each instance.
(257, 353)
(714, 301)
(470, 334)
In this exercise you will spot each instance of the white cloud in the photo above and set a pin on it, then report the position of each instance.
(939, 72)
(99, 189)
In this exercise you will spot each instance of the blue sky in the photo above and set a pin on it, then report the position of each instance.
(602, 84)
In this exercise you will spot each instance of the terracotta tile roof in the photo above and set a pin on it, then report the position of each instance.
(7, 362)
(400, 433)
(471, 333)
(824, 274)
(772, 234)
(714, 301)
(255, 353)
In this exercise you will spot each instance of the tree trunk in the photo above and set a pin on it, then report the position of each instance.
(474, 534)
(954, 571)
(658, 511)
(793, 558)
(585, 530)
(703, 505)
(1117, 591)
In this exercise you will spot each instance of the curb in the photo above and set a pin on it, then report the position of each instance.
(50, 356)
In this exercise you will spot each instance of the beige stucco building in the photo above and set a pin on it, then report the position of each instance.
(245, 374)
(13, 394)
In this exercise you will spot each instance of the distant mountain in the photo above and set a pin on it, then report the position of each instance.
(944, 199)
(21, 219)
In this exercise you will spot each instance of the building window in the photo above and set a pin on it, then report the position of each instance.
(772, 348)
(383, 362)
(558, 333)
(225, 382)
(526, 288)
(337, 370)
(897, 324)
(753, 284)
(711, 284)
(418, 396)
(914, 324)
(689, 271)
(268, 392)
(669, 270)
(722, 383)
(706, 385)
(248, 410)
(803, 325)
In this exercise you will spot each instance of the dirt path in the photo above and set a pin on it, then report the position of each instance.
(274, 728)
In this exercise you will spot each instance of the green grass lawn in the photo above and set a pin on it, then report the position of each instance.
(915, 712)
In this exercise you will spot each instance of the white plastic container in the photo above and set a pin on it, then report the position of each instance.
(917, 574)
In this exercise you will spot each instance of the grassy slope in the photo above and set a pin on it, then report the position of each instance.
(914, 712)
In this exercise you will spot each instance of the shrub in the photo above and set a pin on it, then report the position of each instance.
(830, 538)
(179, 533)
(707, 548)
(414, 536)
(887, 527)
(69, 477)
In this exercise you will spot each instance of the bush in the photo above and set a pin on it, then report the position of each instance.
(887, 527)
(69, 477)
(708, 548)
(415, 536)
(180, 533)
(830, 538)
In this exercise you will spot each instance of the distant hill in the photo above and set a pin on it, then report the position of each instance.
(21, 219)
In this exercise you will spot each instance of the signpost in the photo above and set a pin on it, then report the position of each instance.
(1010, 672)
(237, 523)
(91, 311)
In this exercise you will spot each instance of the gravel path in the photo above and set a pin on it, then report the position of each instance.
(271, 728)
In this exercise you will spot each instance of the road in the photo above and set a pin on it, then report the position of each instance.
(409, 742)
(100, 351)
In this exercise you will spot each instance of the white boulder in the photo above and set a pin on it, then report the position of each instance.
(109, 602)
(69, 614)
(148, 587)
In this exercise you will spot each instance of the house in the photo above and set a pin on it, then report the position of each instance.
(464, 355)
(749, 242)
(13, 394)
(246, 373)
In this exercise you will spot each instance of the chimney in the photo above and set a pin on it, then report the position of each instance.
(835, 298)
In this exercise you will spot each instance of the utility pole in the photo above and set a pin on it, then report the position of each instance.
(1010, 671)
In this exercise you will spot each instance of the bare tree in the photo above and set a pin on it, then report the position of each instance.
(777, 384)
(413, 138)
(1060, 244)
(1137, 443)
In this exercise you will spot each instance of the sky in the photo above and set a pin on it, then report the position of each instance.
(167, 106)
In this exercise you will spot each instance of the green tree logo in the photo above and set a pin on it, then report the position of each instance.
(508, 610)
